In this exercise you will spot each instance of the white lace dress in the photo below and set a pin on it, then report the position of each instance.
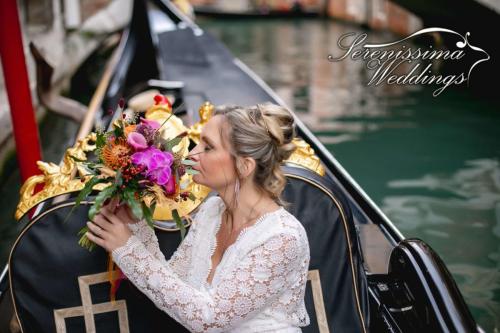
(258, 286)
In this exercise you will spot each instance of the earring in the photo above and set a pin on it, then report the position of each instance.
(236, 190)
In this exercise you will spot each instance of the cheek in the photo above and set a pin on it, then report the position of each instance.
(217, 165)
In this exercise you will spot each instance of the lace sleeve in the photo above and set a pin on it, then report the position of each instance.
(260, 277)
(179, 261)
(147, 236)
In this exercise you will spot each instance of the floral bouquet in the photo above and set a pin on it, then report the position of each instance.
(138, 166)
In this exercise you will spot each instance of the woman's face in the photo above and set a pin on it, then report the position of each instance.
(214, 162)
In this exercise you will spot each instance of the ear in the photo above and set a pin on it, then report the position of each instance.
(246, 166)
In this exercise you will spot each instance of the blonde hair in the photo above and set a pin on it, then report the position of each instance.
(263, 132)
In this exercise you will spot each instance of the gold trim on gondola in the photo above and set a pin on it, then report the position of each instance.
(56, 179)
(305, 157)
(349, 245)
(59, 179)
(205, 112)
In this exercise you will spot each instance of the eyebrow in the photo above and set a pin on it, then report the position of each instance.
(208, 140)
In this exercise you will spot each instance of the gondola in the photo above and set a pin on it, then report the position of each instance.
(365, 276)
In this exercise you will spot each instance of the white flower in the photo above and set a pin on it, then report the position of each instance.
(242, 275)
(155, 280)
(244, 290)
(273, 244)
(278, 269)
(228, 290)
(224, 305)
(260, 289)
(196, 325)
(259, 302)
(261, 261)
(222, 319)
(291, 252)
(183, 296)
(261, 274)
(141, 266)
(277, 284)
(242, 305)
(190, 311)
(276, 257)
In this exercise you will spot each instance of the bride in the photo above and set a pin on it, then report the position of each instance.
(243, 265)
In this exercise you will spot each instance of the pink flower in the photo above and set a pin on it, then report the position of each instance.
(137, 141)
(151, 123)
(157, 163)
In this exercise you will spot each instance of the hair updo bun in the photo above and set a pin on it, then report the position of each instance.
(263, 132)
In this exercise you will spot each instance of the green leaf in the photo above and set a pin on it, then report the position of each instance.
(134, 205)
(100, 140)
(178, 222)
(87, 189)
(148, 213)
(192, 172)
(99, 200)
(192, 197)
(84, 241)
(172, 143)
(118, 130)
(118, 178)
(189, 162)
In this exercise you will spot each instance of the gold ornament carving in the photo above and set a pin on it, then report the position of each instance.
(59, 179)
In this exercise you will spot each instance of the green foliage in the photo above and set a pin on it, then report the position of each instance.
(100, 140)
(148, 213)
(191, 172)
(189, 162)
(178, 223)
(133, 203)
(105, 194)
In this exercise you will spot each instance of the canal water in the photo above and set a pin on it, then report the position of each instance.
(431, 163)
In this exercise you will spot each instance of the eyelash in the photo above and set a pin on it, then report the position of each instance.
(207, 148)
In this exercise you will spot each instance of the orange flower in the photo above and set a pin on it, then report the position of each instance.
(129, 129)
(115, 154)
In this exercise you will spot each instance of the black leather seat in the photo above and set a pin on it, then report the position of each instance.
(327, 218)
(45, 267)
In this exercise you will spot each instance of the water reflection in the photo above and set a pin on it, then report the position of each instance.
(430, 163)
(462, 222)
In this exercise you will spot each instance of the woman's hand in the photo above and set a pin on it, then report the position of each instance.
(109, 228)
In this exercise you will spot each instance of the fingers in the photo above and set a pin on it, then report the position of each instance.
(96, 230)
(125, 214)
(110, 206)
(122, 215)
(113, 204)
(110, 215)
(95, 239)
(103, 222)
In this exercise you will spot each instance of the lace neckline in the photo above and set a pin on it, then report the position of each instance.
(213, 238)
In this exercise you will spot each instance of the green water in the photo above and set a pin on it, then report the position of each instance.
(431, 163)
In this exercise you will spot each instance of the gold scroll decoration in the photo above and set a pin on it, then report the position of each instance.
(58, 179)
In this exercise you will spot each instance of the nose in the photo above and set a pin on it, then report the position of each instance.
(194, 154)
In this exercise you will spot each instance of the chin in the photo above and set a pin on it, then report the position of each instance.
(196, 179)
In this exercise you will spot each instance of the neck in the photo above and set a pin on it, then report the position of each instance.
(252, 203)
